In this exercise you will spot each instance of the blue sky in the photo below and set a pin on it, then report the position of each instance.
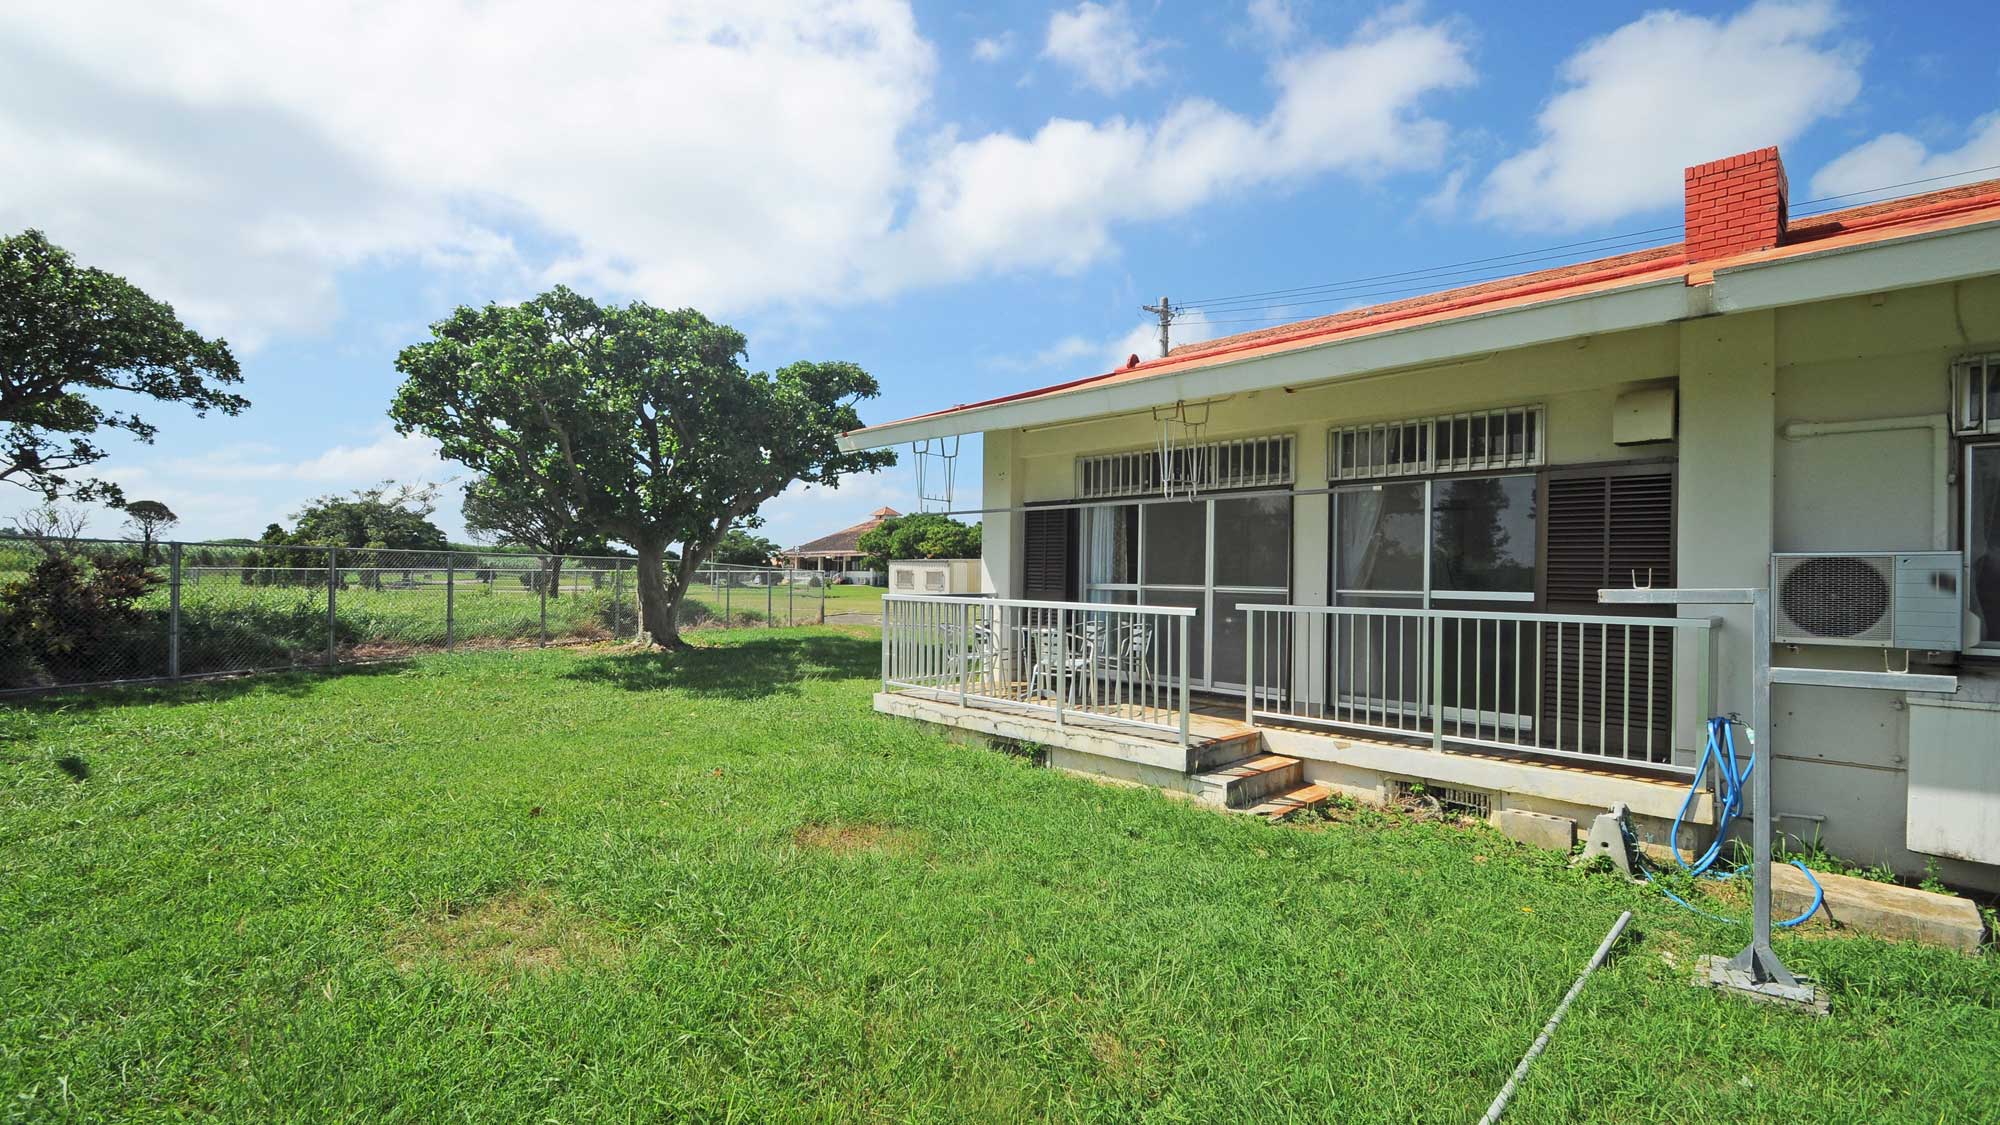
(967, 200)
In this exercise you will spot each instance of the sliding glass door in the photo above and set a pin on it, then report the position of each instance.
(1208, 554)
(1453, 543)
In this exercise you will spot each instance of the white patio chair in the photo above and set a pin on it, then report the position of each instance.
(1057, 653)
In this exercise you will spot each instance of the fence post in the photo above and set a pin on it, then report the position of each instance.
(723, 577)
(791, 586)
(332, 583)
(450, 592)
(617, 596)
(822, 597)
(770, 605)
(174, 609)
(542, 584)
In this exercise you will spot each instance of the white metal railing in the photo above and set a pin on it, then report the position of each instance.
(1083, 662)
(1623, 689)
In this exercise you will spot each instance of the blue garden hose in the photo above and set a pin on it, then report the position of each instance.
(1730, 781)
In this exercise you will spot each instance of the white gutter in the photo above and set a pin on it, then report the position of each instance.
(1929, 258)
(1940, 428)
(1640, 305)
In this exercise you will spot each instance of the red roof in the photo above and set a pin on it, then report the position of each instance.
(1949, 208)
(848, 540)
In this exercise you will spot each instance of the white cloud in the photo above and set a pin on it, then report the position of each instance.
(1898, 158)
(1666, 91)
(235, 489)
(993, 48)
(1049, 200)
(238, 159)
(1275, 23)
(1102, 47)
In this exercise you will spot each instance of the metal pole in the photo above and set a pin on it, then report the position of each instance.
(1757, 958)
(617, 597)
(1499, 1105)
(770, 606)
(791, 587)
(174, 609)
(965, 649)
(450, 589)
(332, 583)
(723, 577)
(1062, 661)
(542, 584)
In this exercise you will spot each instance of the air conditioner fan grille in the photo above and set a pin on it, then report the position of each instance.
(1835, 596)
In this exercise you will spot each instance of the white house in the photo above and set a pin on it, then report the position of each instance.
(1381, 534)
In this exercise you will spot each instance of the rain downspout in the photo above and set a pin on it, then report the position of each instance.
(1939, 426)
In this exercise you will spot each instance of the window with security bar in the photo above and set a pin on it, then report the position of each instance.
(1260, 462)
(1975, 397)
(1471, 441)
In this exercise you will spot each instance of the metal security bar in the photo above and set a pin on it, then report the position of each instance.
(1078, 662)
(1259, 462)
(1470, 441)
(1590, 687)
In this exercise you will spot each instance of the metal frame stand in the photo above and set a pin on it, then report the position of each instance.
(1757, 970)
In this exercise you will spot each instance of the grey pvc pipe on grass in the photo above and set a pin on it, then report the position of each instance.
(1499, 1105)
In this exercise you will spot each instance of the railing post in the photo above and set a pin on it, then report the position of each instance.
(964, 652)
(1249, 667)
(332, 583)
(450, 596)
(1062, 662)
(1186, 701)
(174, 609)
(1437, 682)
(888, 623)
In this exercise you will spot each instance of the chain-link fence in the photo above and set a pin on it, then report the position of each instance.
(78, 612)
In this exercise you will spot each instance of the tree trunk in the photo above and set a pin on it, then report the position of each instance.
(554, 577)
(658, 603)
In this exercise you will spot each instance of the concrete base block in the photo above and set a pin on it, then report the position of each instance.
(1882, 909)
(1540, 830)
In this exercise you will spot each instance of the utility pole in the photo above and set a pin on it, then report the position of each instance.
(1166, 312)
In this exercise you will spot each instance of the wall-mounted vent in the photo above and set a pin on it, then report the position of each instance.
(1447, 443)
(1450, 798)
(1907, 600)
(1262, 462)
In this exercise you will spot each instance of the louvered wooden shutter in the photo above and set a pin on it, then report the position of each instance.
(1606, 528)
(1048, 560)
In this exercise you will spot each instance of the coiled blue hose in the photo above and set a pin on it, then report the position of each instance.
(1731, 778)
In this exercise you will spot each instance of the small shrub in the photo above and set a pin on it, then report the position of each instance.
(72, 619)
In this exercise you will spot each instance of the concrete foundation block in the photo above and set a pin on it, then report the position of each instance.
(1883, 909)
(1540, 830)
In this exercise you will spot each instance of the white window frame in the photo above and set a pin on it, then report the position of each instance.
(1429, 595)
(1972, 379)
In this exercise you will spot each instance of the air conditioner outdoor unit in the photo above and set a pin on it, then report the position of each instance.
(1900, 599)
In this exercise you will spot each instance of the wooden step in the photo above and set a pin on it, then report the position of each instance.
(1291, 801)
(1218, 752)
(1246, 780)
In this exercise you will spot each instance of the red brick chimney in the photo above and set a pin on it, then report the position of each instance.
(1735, 204)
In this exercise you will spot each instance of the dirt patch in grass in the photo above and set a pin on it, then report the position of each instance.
(513, 935)
(856, 839)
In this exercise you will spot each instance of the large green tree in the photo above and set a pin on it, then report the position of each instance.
(645, 418)
(149, 518)
(389, 516)
(740, 548)
(73, 339)
(532, 514)
(921, 535)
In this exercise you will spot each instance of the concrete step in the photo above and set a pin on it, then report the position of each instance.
(1291, 801)
(1246, 781)
(1219, 752)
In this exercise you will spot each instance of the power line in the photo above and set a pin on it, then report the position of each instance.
(1335, 292)
(1210, 301)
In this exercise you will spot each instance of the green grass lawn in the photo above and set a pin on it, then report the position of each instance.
(601, 885)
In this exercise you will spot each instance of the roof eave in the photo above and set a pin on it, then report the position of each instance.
(1639, 305)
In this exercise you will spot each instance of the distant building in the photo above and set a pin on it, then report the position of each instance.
(840, 553)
